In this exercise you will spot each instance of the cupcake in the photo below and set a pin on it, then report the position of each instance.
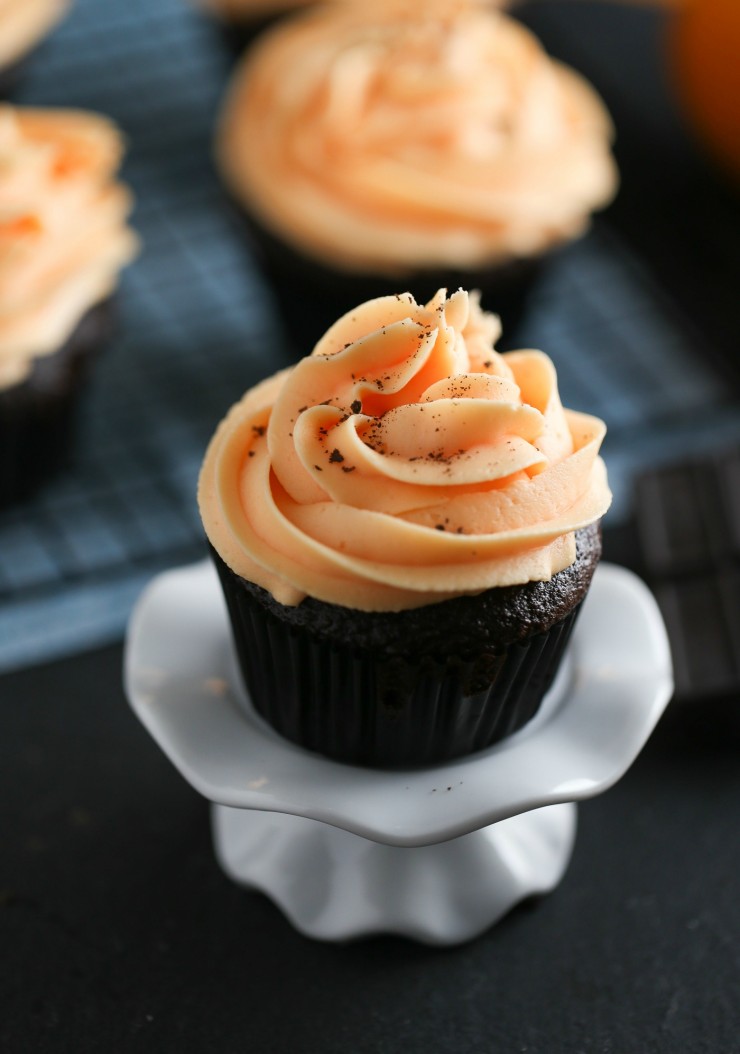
(63, 240)
(404, 524)
(373, 147)
(23, 25)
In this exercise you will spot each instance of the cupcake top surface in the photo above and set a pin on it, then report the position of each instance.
(403, 462)
(396, 136)
(63, 230)
(23, 23)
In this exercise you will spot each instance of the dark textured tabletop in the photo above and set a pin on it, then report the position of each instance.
(121, 933)
(118, 931)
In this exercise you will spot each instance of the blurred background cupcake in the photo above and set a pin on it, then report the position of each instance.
(409, 145)
(23, 25)
(63, 239)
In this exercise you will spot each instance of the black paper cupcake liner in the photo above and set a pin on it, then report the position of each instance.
(11, 75)
(367, 708)
(38, 416)
(311, 296)
(238, 35)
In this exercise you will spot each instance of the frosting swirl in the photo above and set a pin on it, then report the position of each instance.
(23, 23)
(400, 138)
(63, 231)
(404, 462)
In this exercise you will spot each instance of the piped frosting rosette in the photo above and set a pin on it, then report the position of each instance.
(400, 136)
(402, 463)
(63, 230)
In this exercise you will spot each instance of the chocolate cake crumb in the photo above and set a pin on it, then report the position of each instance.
(466, 624)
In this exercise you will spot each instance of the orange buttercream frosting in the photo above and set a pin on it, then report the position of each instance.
(404, 462)
(23, 23)
(63, 230)
(397, 136)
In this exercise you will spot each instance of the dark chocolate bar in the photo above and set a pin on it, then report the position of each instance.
(702, 613)
(688, 515)
(688, 531)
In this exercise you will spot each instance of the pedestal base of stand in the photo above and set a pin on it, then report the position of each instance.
(335, 885)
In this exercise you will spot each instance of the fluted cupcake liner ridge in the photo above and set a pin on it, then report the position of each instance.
(367, 708)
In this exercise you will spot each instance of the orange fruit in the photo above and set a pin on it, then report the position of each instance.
(705, 53)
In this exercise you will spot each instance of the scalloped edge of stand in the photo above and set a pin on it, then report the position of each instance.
(181, 680)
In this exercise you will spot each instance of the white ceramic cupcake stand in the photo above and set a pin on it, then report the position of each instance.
(437, 854)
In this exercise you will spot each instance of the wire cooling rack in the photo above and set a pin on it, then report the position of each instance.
(197, 327)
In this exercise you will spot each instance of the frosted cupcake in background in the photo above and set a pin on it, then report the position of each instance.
(23, 25)
(400, 143)
(405, 525)
(63, 239)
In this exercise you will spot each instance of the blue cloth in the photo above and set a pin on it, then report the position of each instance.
(197, 327)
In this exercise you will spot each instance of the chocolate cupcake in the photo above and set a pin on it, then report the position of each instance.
(405, 525)
(374, 146)
(63, 240)
(23, 25)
